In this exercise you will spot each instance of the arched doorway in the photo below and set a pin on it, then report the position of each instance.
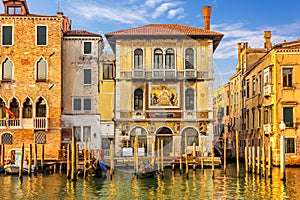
(141, 134)
(164, 134)
(189, 136)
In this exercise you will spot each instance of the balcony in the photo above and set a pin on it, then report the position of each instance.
(190, 73)
(139, 73)
(164, 73)
(10, 124)
(268, 129)
(40, 123)
(268, 90)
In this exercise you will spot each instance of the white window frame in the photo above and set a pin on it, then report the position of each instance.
(82, 108)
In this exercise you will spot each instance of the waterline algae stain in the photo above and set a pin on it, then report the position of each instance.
(125, 185)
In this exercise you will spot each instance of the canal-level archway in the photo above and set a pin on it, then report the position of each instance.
(141, 134)
(164, 134)
(189, 136)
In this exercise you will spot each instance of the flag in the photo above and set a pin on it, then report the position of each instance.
(11, 114)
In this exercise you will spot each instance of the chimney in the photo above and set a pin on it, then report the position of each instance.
(60, 14)
(206, 10)
(267, 40)
(239, 53)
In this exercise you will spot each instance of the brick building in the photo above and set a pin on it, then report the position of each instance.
(31, 77)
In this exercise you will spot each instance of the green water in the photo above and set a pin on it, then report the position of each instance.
(199, 185)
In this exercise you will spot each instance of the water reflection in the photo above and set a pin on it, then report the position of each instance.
(173, 185)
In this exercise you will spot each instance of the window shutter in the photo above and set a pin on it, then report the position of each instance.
(7, 35)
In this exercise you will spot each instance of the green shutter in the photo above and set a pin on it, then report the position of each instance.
(41, 35)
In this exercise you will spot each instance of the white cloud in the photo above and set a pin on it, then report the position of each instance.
(152, 3)
(172, 13)
(239, 32)
(162, 9)
(103, 13)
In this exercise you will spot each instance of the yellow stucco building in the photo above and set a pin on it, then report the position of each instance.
(164, 87)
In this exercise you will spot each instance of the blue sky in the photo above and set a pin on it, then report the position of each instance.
(238, 20)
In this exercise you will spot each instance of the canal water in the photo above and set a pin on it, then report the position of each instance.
(199, 185)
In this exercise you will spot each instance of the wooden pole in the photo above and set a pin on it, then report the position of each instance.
(237, 153)
(180, 161)
(135, 149)
(270, 161)
(194, 156)
(111, 153)
(246, 160)
(21, 162)
(2, 153)
(186, 158)
(35, 159)
(153, 155)
(158, 156)
(202, 154)
(253, 159)
(225, 152)
(73, 168)
(263, 157)
(42, 158)
(84, 161)
(162, 157)
(258, 160)
(213, 159)
(30, 160)
(282, 158)
(173, 160)
(246, 157)
(68, 161)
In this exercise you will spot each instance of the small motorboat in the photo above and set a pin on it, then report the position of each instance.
(14, 164)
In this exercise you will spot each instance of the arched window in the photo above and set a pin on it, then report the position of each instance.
(14, 107)
(189, 58)
(41, 108)
(6, 138)
(189, 136)
(138, 99)
(2, 111)
(189, 99)
(158, 59)
(170, 59)
(7, 70)
(41, 70)
(138, 59)
(40, 138)
(27, 108)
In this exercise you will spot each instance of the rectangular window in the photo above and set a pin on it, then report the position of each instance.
(253, 118)
(77, 132)
(7, 35)
(253, 86)
(76, 104)
(108, 71)
(41, 35)
(87, 49)
(82, 104)
(87, 104)
(266, 116)
(248, 89)
(288, 116)
(287, 77)
(86, 133)
(290, 145)
(14, 10)
(87, 76)
(259, 83)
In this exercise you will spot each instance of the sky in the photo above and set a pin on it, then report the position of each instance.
(238, 20)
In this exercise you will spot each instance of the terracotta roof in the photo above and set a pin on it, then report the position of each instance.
(81, 33)
(164, 29)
